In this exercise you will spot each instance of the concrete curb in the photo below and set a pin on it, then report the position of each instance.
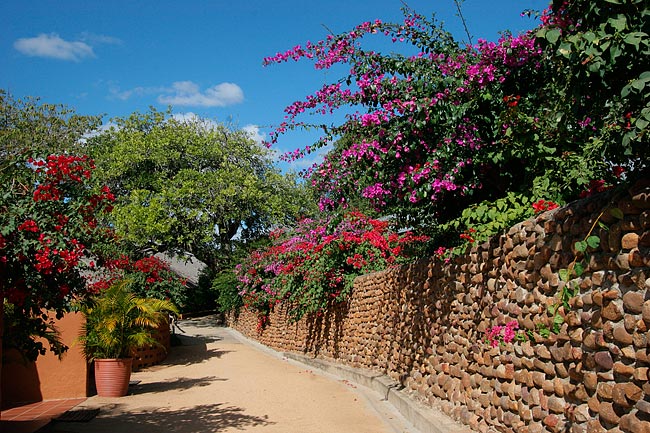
(423, 418)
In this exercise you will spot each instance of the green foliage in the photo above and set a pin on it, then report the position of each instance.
(570, 275)
(191, 186)
(118, 322)
(594, 48)
(491, 217)
(31, 128)
(225, 283)
(30, 335)
(202, 296)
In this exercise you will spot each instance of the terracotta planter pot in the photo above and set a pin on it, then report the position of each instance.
(112, 376)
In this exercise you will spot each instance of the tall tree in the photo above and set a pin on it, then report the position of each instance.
(191, 186)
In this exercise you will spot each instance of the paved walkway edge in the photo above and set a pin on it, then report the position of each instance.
(423, 418)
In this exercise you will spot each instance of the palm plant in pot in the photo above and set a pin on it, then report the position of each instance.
(117, 323)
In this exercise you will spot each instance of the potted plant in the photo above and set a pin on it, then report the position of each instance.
(117, 323)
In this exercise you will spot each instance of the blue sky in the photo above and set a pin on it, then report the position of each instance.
(203, 57)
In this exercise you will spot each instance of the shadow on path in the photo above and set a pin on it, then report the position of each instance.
(191, 350)
(177, 384)
(203, 418)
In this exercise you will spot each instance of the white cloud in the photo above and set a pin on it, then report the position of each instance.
(94, 39)
(309, 160)
(190, 117)
(184, 93)
(124, 95)
(189, 93)
(53, 46)
(254, 133)
(102, 128)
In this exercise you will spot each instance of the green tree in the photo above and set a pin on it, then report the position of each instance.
(191, 186)
(31, 128)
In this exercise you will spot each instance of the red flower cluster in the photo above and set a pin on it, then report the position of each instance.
(316, 263)
(618, 171)
(467, 235)
(595, 186)
(96, 202)
(47, 261)
(357, 261)
(60, 168)
(151, 266)
(47, 192)
(544, 205)
(511, 100)
(29, 226)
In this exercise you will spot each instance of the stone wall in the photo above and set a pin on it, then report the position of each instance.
(155, 354)
(424, 325)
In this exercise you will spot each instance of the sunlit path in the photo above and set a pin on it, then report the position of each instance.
(214, 382)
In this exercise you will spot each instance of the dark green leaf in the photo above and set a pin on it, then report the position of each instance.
(593, 241)
(616, 213)
(553, 35)
(581, 246)
(564, 274)
(579, 269)
(618, 23)
(633, 39)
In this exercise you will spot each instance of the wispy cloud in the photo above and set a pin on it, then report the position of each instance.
(187, 117)
(188, 93)
(309, 160)
(254, 133)
(184, 93)
(190, 117)
(95, 39)
(53, 46)
(123, 95)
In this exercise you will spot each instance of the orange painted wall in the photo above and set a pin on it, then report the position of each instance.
(48, 378)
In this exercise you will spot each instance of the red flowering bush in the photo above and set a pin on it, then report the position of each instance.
(316, 263)
(48, 221)
(148, 277)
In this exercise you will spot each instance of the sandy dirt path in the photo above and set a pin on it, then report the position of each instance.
(217, 382)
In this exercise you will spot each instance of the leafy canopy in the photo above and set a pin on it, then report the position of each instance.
(191, 186)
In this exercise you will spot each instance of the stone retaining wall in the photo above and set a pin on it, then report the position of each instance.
(424, 325)
(152, 355)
